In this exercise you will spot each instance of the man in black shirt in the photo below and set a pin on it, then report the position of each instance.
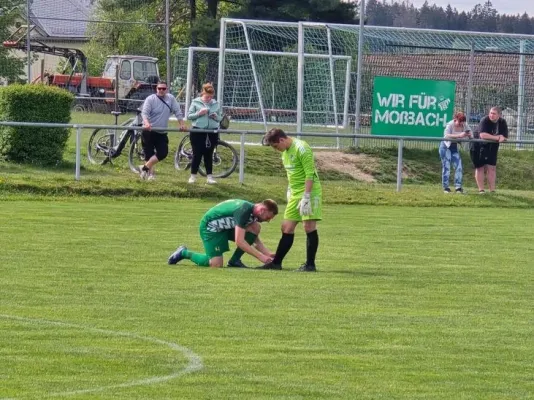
(484, 155)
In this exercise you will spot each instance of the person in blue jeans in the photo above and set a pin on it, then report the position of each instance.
(449, 152)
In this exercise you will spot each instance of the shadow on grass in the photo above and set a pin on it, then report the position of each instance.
(17, 168)
(507, 198)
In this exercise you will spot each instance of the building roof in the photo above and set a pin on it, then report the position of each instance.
(496, 70)
(62, 19)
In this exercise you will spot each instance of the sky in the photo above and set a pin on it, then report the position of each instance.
(502, 6)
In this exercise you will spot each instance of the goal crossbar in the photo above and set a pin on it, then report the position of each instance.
(193, 49)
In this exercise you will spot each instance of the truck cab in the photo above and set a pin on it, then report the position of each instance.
(137, 74)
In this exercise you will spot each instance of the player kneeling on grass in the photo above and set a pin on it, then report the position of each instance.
(235, 220)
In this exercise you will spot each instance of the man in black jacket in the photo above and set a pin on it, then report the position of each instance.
(484, 155)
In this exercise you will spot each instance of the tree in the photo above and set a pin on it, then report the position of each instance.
(378, 13)
(128, 38)
(432, 17)
(451, 17)
(406, 16)
(204, 28)
(300, 10)
(11, 67)
(525, 25)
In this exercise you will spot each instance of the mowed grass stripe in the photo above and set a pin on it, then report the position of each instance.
(409, 303)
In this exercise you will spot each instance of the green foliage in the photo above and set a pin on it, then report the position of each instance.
(34, 103)
(11, 67)
(486, 96)
(316, 96)
(482, 18)
(300, 10)
(135, 38)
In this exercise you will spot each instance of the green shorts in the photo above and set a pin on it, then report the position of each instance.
(292, 210)
(216, 243)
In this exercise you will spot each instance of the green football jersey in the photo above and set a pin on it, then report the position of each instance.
(300, 166)
(227, 215)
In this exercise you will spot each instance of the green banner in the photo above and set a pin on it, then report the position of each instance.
(411, 107)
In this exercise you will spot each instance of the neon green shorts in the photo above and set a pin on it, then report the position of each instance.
(216, 243)
(292, 210)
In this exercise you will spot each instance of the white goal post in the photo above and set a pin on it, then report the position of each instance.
(317, 82)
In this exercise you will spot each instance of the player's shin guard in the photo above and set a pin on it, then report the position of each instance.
(286, 241)
(312, 244)
(250, 238)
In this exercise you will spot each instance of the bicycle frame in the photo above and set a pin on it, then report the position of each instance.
(126, 135)
(225, 158)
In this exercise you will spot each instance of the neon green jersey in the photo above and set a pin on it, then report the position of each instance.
(300, 166)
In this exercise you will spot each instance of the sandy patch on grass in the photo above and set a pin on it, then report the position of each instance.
(354, 165)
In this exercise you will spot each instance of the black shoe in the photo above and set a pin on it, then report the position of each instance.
(446, 190)
(236, 264)
(459, 190)
(270, 265)
(306, 268)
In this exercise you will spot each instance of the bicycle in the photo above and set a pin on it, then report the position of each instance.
(103, 148)
(225, 158)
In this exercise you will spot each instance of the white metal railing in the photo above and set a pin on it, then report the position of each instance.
(243, 133)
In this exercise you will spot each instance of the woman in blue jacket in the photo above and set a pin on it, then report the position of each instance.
(205, 113)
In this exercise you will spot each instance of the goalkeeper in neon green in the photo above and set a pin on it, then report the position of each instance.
(304, 197)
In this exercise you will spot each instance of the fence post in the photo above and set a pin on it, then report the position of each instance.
(28, 41)
(360, 72)
(222, 55)
(78, 151)
(300, 79)
(470, 82)
(242, 160)
(332, 82)
(168, 43)
(399, 165)
(189, 80)
(347, 94)
(521, 93)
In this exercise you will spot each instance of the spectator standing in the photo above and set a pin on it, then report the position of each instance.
(449, 152)
(205, 112)
(494, 129)
(157, 109)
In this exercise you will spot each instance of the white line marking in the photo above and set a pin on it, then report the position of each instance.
(195, 362)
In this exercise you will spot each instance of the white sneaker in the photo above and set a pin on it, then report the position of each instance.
(151, 177)
(211, 181)
(192, 179)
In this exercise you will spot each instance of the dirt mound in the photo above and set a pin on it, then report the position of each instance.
(354, 165)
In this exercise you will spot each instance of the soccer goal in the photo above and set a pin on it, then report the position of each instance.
(289, 77)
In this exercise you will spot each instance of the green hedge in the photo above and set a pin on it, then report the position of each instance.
(34, 103)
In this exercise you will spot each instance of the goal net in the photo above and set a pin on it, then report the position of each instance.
(262, 85)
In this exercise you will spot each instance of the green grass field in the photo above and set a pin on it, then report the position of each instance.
(409, 303)
(419, 295)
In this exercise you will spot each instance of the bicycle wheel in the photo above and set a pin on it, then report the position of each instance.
(183, 155)
(136, 155)
(99, 146)
(224, 160)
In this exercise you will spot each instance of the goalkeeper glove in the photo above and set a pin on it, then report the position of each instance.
(304, 206)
